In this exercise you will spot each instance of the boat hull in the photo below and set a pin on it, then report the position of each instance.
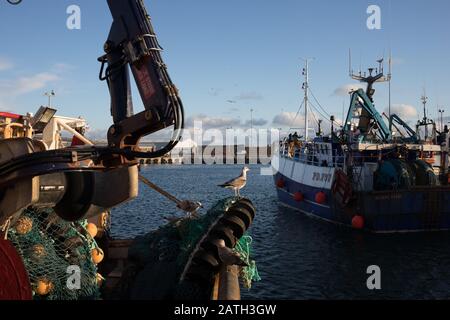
(414, 210)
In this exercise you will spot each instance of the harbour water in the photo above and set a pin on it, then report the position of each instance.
(299, 257)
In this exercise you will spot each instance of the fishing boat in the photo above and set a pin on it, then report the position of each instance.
(376, 175)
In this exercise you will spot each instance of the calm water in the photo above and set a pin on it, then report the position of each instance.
(299, 257)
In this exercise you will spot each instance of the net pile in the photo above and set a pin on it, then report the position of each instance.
(159, 258)
(248, 274)
(49, 246)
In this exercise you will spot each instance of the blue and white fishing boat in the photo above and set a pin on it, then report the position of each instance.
(379, 176)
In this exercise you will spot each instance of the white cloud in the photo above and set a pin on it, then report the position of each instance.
(344, 90)
(213, 122)
(11, 87)
(28, 84)
(23, 85)
(404, 111)
(288, 119)
(207, 123)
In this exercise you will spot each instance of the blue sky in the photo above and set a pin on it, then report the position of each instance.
(247, 51)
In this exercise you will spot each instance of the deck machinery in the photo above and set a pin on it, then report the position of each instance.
(74, 182)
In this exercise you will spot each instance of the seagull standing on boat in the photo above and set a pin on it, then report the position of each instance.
(237, 183)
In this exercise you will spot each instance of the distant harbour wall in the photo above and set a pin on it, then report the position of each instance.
(213, 155)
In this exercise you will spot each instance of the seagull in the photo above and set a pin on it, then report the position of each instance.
(190, 207)
(237, 183)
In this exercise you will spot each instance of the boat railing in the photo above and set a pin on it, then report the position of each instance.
(309, 155)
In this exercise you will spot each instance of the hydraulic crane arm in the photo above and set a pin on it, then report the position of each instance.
(76, 180)
(395, 119)
(360, 99)
(132, 44)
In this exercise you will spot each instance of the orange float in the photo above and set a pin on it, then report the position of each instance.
(358, 222)
(299, 197)
(280, 183)
(97, 255)
(321, 197)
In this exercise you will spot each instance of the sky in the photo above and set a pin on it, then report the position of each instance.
(228, 57)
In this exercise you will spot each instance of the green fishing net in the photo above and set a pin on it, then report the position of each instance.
(159, 257)
(249, 273)
(193, 230)
(177, 239)
(49, 246)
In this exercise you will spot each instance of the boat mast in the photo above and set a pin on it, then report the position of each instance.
(424, 100)
(389, 77)
(375, 75)
(305, 88)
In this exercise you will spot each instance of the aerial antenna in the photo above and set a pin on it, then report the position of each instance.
(424, 100)
(360, 63)
(389, 77)
(305, 87)
(50, 95)
(373, 75)
(350, 71)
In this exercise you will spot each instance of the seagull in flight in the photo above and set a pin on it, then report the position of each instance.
(237, 183)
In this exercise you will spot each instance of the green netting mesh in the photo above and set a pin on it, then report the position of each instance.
(48, 246)
(171, 247)
(250, 273)
(193, 230)
(176, 240)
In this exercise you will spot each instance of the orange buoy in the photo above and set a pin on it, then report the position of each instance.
(358, 222)
(97, 255)
(92, 229)
(298, 196)
(321, 197)
(38, 252)
(280, 183)
(24, 225)
(43, 287)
